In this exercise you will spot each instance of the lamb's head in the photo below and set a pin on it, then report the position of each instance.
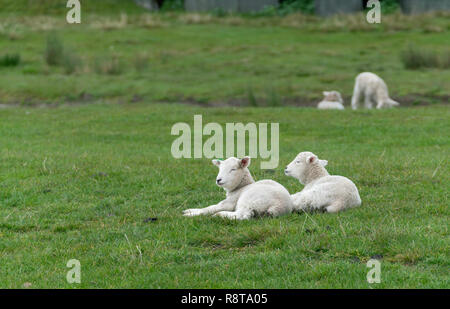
(232, 172)
(303, 164)
(333, 96)
(389, 103)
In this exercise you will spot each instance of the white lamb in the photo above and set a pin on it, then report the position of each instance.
(245, 197)
(322, 191)
(332, 100)
(374, 89)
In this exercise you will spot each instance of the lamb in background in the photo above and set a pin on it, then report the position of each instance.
(322, 191)
(245, 197)
(374, 89)
(332, 100)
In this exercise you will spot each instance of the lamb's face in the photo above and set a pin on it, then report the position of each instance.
(298, 166)
(231, 172)
(301, 164)
(333, 96)
(389, 104)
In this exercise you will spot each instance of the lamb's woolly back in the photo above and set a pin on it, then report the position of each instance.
(373, 89)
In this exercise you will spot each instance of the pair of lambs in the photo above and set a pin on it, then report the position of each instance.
(368, 86)
(246, 198)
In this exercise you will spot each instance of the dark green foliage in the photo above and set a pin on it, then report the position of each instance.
(172, 5)
(291, 6)
(10, 60)
(389, 6)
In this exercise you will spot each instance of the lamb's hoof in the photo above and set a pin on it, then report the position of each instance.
(192, 212)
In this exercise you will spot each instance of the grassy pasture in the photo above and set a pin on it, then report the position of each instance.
(202, 58)
(85, 160)
(75, 180)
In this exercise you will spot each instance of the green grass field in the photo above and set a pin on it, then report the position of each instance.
(76, 180)
(85, 159)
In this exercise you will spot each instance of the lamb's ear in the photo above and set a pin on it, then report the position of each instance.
(216, 162)
(323, 162)
(311, 159)
(244, 162)
(326, 93)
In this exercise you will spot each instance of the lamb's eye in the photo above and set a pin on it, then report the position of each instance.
(298, 162)
(232, 170)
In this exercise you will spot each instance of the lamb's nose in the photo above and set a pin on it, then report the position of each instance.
(218, 180)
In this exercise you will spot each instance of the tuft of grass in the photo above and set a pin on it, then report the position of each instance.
(10, 60)
(140, 62)
(196, 18)
(71, 62)
(414, 58)
(251, 97)
(273, 99)
(54, 51)
(150, 21)
(110, 23)
(110, 65)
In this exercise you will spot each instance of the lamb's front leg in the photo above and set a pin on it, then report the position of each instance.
(225, 205)
(356, 97)
(234, 215)
(301, 201)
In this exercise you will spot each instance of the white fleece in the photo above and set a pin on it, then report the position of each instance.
(322, 191)
(245, 197)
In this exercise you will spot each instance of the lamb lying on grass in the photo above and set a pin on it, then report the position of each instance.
(374, 89)
(332, 100)
(245, 197)
(321, 191)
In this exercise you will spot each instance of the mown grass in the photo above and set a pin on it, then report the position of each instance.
(76, 179)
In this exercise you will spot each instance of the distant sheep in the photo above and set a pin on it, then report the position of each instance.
(322, 191)
(373, 89)
(332, 100)
(245, 197)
